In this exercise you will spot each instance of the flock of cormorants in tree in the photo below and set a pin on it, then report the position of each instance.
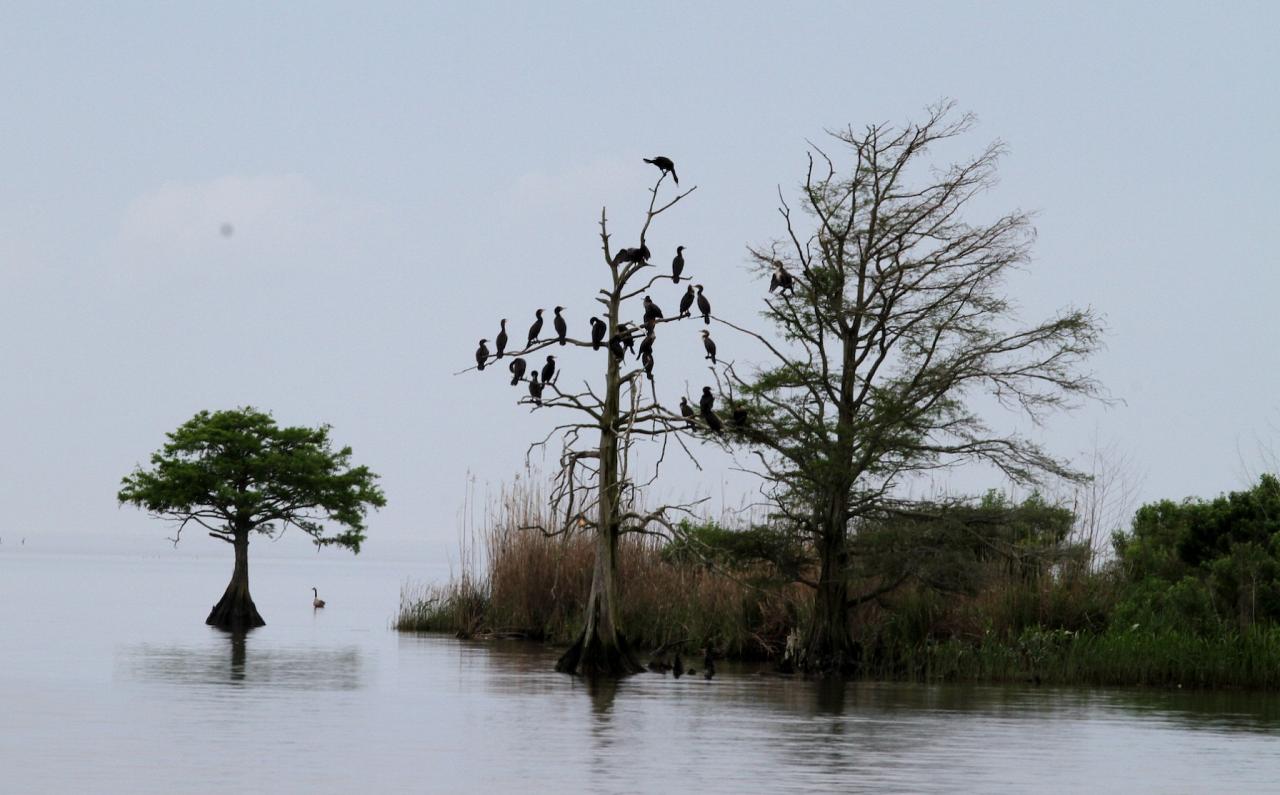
(623, 341)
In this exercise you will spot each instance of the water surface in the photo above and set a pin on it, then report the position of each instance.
(109, 682)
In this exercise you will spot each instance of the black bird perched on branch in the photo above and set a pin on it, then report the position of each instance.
(632, 255)
(781, 280)
(710, 346)
(501, 340)
(535, 388)
(517, 368)
(705, 404)
(548, 369)
(646, 359)
(535, 329)
(677, 265)
(686, 411)
(651, 310)
(617, 347)
(646, 344)
(482, 355)
(686, 301)
(598, 329)
(665, 164)
(704, 305)
(739, 418)
(562, 328)
(628, 336)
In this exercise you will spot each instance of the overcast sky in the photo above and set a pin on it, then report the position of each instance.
(398, 177)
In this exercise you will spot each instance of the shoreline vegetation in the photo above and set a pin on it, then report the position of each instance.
(1187, 597)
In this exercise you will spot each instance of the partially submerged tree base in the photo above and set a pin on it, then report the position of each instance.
(592, 658)
(235, 612)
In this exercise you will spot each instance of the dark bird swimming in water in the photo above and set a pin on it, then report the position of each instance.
(686, 411)
(705, 403)
(646, 344)
(686, 301)
(677, 265)
(646, 359)
(710, 346)
(535, 388)
(562, 328)
(535, 329)
(651, 310)
(548, 369)
(482, 355)
(781, 281)
(598, 329)
(501, 340)
(665, 164)
(704, 306)
(517, 368)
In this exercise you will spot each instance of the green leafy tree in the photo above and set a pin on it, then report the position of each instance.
(236, 473)
(892, 318)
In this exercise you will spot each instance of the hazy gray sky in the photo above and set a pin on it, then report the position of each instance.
(401, 176)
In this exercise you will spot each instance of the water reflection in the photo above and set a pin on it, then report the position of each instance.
(238, 659)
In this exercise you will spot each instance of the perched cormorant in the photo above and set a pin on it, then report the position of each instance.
(781, 280)
(517, 368)
(535, 329)
(665, 164)
(704, 305)
(677, 265)
(562, 328)
(705, 403)
(535, 388)
(686, 411)
(686, 301)
(646, 359)
(739, 418)
(710, 345)
(628, 332)
(482, 355)
(598, 329)
(617, 346)
(501, 339)
(646, 344)
(632, 255)
(548, 369)
(651, 310)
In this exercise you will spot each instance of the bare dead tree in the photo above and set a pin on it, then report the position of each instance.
(896, 318)
(594, 489)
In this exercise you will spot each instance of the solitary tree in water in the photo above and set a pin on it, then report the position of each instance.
(236, 473)
(594, 491)
(896, 319)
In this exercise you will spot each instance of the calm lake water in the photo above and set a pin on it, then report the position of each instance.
(109, 682)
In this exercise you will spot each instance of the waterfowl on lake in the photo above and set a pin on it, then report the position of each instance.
(316, 601)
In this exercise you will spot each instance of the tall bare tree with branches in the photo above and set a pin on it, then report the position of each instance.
(594, 489)
(896, 319)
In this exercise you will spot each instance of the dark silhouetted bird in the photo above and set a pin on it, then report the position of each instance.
(710, 345)
(646, 344)
(781, 281)
(677, 265)
(708, 664)
(517, 368)
(677, 666)
(548, 369)
(500, 341)
(646, 360)
(686, 411)
(632, 255)
(686, 301)
(628, 332)
(598, 330)
(535, 388)
(665, 164)
(704, 305)
(482, 355)
(535, 329)
(739, 418)
(705, 404)
(618, 347)
(651, 310)
(562, 328)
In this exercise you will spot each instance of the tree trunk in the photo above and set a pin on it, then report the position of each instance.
(601, 649)
(828, 647)
(236, 611)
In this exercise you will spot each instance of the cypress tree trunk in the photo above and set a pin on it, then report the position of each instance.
(236, 610)
(828, 646)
